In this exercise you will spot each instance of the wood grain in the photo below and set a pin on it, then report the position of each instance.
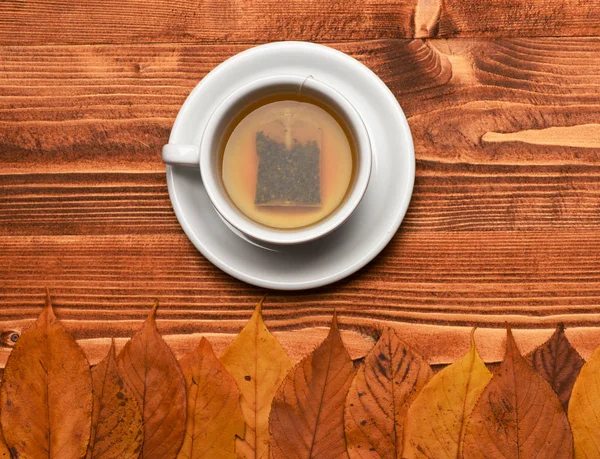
(502, 225)
(245, 21)
(502, 18)
(205, 21)
(60, 107)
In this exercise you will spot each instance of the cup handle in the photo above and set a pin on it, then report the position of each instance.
(181, 155)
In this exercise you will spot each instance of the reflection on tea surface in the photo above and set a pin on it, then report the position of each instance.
(287, 163)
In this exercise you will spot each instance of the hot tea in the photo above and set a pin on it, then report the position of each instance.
(287, 162)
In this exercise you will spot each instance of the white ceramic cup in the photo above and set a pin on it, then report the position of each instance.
(206, 155)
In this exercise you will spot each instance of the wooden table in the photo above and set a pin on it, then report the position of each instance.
(503, 99)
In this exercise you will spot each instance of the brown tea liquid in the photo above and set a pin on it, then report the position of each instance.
(287, 162)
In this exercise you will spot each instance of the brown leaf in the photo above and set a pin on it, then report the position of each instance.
(380, 395)
(559, 363)
(148, 366)
(46, 394)
(258, 364)
(117, 429)
(307, 416)
(4, 452)
(518, 415)
(214, 417)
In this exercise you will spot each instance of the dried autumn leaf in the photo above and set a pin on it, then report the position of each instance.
(149, 368)
(117, 429)
(258, 364)
(376, 406)
(559, 363)
(46, 394)
(436, 420)
(4, 452)
(584, 409)
(307, 416)
(518, 415)
(214, 418)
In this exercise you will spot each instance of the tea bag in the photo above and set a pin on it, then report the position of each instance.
(289, 162)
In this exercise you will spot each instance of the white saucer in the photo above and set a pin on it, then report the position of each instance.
(370, 227)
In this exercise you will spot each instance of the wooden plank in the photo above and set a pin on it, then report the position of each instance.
(502, 226)
(447, 197)
(205, 21)
(512, 86)
(61, 106)
(481, 274)
(103, 286)
(505, 18)
(482, 114)
(218, 21)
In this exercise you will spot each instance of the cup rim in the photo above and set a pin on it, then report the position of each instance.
(222, 203)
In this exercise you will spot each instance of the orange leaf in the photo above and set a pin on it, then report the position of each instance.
(559, 363)
(258, 364)
(117, 430)
(4, 452)
(307, 416)
(380, 395)
(148, 366)
(518, 415)
(46, 394)
(214, 418)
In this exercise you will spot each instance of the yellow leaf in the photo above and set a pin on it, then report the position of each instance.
(258, 364)
(214, 418)
(436, 420)
(584, 409)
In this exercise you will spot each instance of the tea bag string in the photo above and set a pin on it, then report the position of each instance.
(288, 130)
(299, 110)
(303, 83)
